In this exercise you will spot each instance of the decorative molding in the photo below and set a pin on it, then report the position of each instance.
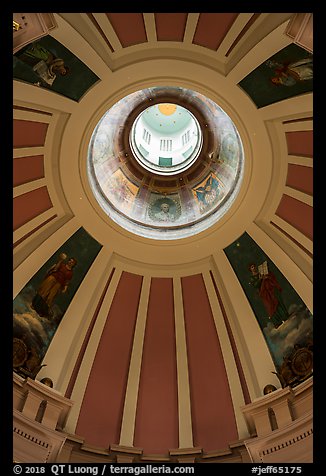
(290, 440)
(29, 27)
(33, 442)
(30, 437)
(39, 442)
(287, 443)
(300, 29)
(18, 242)
(74, 451)
(38, 392)
(292, 444)
(296, 242)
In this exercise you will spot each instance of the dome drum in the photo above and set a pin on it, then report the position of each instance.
(144, 196)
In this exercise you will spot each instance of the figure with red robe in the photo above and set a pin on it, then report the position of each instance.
(55, 281)
(270, 293)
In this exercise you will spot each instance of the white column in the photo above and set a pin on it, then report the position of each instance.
(130, 405)
(228, 357)
(184, 402)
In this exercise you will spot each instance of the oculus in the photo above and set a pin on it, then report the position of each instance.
(166, 139)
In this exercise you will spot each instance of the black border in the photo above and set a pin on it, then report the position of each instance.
(7, 208)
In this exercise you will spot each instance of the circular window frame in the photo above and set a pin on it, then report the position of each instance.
(166, 171)
(153, 183)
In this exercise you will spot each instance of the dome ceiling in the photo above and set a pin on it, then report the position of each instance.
(165, 209)
(166, 118)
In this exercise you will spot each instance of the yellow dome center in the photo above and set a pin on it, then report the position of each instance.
(167, 109)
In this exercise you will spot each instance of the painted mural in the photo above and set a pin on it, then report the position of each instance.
(286, 74)
(207, 193)
(285, 320)
(230, 149)
(228, 160)
(46, 63)
(40, 306)
(102, 146)
(121, 191)
(164, 209)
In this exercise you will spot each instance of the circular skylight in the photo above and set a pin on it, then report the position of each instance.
(166, 138)
(165, 162)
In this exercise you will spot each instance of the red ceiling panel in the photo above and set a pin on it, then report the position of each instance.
(38, 227)
(212, 28)
(213, 417)
(129, 27)
(300, 143)
(29, 205)
(101, 411)
(85, 343)
(297, 214)
(170, 26)
(26, 169)
(157, 406)
(29, 133)
(300, 178)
